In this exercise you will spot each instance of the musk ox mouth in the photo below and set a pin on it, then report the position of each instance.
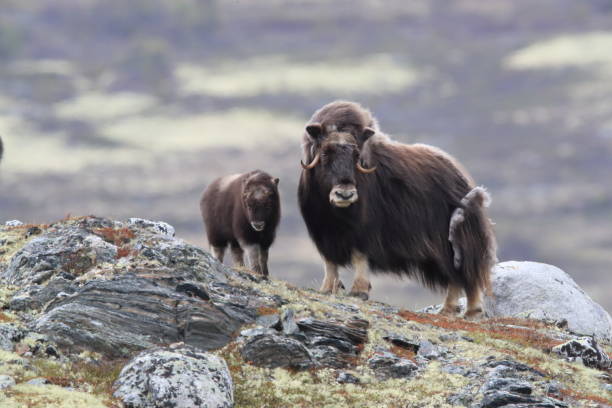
(258, 225)
(343, 196)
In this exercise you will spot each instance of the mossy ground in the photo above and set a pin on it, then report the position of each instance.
(86, 380)
(522, 340)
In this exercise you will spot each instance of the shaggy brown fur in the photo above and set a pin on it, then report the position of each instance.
(242, 211)
(1, 149)
(398, 218)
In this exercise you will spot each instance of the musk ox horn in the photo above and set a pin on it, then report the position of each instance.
(364, 170)
(314, 162)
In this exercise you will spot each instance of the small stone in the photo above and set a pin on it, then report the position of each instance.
(347, 378)
(449, 337)
(288, 322)
(403, 342)
(428, 350)
(38, 381)
(6, 381)
(387, 365)
(257, 331)
(269, 321)
(585, 350)
(507, 384)
(496, 399)
(272, 351)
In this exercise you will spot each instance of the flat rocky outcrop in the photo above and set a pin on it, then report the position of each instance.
(97, 312)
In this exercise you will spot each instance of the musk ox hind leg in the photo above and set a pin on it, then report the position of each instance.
(361, 284)
(474, 309)
(474, 247)
(331, 281)
(451, 303)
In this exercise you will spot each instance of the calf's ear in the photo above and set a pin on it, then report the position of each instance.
(314, 130)
(275, 180)
(367, 133)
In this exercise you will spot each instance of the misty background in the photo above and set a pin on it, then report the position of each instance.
(130, 108)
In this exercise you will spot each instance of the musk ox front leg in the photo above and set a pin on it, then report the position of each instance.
(255, 256)
(237, 256)
(474, 304)
(218, 252)
(331, 281)
(361, 284)
(451, 303)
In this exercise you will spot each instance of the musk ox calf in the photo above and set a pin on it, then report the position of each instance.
(408, 209)
(242, 211)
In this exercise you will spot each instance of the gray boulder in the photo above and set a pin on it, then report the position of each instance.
(178, 377)
(544, 292)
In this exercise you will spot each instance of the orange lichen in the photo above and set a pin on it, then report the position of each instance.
(585, 397)
(118, 236)
(266, 310)
(495, 328)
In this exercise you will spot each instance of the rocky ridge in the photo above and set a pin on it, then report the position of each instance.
(88, 304)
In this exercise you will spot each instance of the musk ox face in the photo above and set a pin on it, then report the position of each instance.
(336, 157)
(259, 196)
(337, 172)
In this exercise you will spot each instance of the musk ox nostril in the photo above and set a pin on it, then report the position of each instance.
(345, 195)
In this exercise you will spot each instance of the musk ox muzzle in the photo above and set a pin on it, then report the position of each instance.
(258, 225)
(343, 195)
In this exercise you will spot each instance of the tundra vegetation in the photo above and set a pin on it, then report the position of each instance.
(399, 358)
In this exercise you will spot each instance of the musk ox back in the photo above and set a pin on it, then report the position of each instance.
(242, 211)
(412, 210)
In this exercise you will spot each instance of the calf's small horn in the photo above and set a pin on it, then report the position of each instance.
(314, 162)
(364, 170)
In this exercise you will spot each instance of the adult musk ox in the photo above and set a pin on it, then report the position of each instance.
(242, 211)
(408, 209)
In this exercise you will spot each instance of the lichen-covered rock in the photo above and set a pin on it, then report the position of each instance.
(128, 313)
(157, 227)
(73, 250)
(387, 365)
(586, 349)
(272, 351)
(178, 377)
(9, 335)
(544, 292)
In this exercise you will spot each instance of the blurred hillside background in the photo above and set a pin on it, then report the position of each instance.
(130, 108)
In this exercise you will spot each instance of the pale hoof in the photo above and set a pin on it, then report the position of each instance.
(326, 290)
(361, 295)
(476, 314)
(450, 311)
